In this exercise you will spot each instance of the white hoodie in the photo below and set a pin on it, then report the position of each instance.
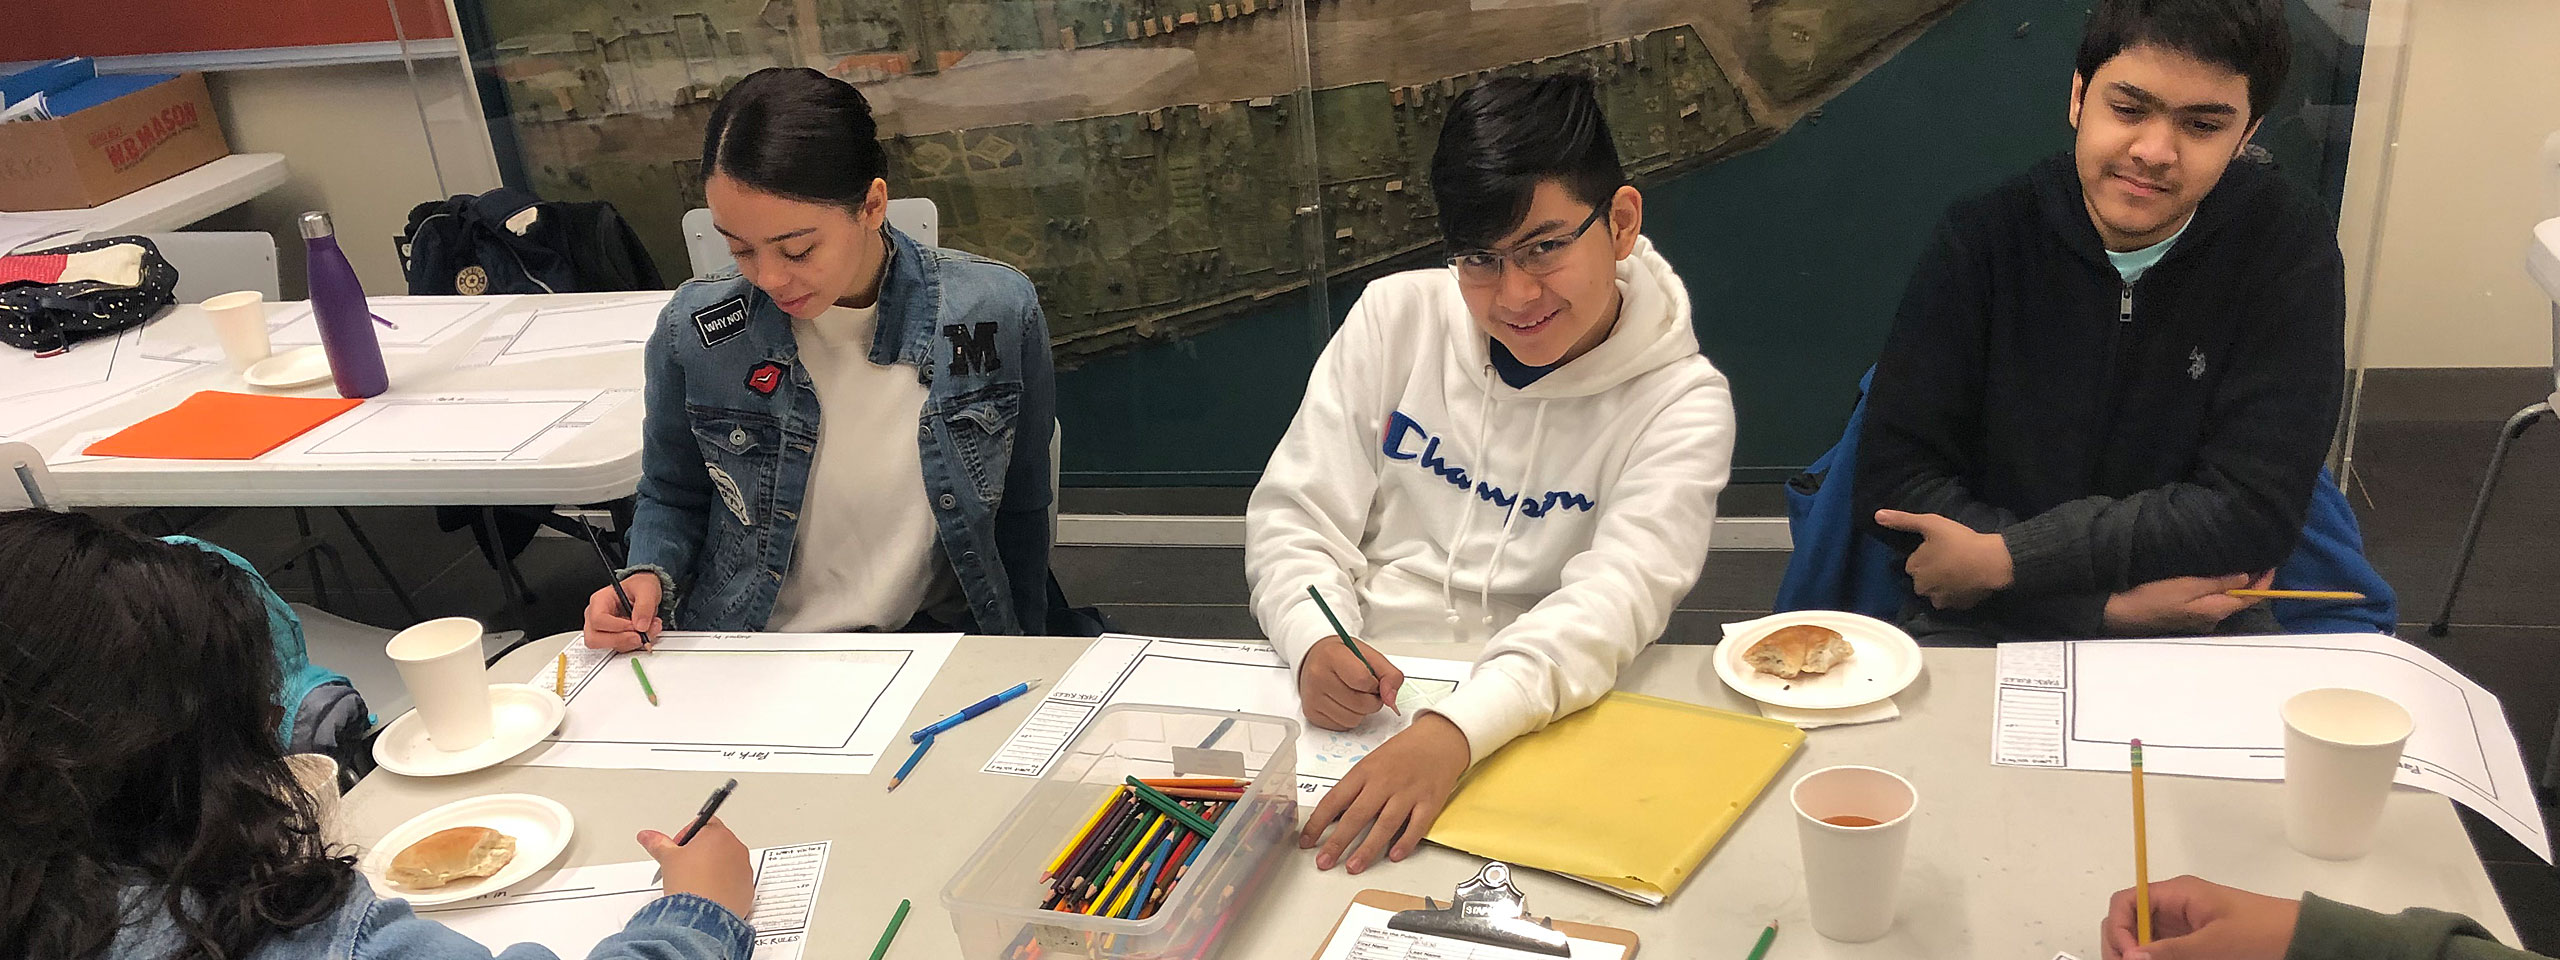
(1400, 483)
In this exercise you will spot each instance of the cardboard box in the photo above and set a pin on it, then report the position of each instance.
(111, 149)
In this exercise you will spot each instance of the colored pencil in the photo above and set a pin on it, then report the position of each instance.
(1070, 878)
(2141, 858)
(910, 766)
(1196, 783)
(1098, 873)
(1339, 633)
(892, 933)
(1172, 809)
(1767, 937)
(611, 575)
(1121, 871)
(1130, 902)
(2295, 594)
(1076, 839)
(560, 677)
(972, 710)
(1115, 826)
(1188, 793)
(644, 682)
(1214, 815)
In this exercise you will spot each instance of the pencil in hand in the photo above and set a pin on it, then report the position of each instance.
(1345, 637)
(2141, 857)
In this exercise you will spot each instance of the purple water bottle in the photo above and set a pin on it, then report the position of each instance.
(346, 322)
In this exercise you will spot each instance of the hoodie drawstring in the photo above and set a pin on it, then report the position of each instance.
(1502, 534)
(1458, 537)
(1502, 538)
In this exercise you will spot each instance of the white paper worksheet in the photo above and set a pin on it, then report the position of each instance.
(1364, 935)
(38, 391)
(601, 326)
(416, 321)
(578, 907)
(1217, 675)
(2209, 707)
(468, 426)
(731, 702)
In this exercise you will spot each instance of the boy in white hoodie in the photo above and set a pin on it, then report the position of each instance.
(1521, 448)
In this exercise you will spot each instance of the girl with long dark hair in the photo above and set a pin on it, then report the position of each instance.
(148, 811)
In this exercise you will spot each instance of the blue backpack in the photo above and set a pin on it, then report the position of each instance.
(323, 713)
(1837, 566)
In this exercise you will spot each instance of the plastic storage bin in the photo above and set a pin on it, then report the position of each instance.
(995, 899)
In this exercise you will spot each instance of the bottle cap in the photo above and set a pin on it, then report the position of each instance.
(315, 225)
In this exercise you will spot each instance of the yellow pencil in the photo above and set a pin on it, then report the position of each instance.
(2294, 594)
(1077, 837)
(2141, 858)
(1112, 887)
(560, 677)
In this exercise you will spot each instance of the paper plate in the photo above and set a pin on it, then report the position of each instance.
(521, 715)
(540, 825)
(1886, 661)
(300, 367)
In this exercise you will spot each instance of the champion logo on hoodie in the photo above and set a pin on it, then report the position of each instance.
(1398, 443)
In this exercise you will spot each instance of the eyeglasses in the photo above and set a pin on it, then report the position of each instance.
(1536, 258)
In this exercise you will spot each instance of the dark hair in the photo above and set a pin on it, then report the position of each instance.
(2247, 37)
(797, 133)
(1504, 137)
(138, 749)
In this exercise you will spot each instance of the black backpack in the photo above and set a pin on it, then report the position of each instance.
(46, 309)
(510, 241)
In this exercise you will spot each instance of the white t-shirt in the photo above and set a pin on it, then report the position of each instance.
(866, 556)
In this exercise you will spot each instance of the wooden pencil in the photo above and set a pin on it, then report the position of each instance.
(1120, 873)
(1078, 838)
(1194, 793)
(1099, 871)
(2294, 594)
(1113, 825)
(1197, 783)
(2141, 858)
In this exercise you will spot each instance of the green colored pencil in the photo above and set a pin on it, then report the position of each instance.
(1345, 635)
(1172, 808)
(1767, 937)
(644, 682)
(892, 933)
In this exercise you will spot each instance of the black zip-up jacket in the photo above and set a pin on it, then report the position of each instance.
(2113, 434)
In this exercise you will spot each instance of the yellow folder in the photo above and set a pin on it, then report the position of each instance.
(1630, 793)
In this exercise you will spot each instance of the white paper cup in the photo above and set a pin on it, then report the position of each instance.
(239, 323)
(2341, 750)
(439, 661)
(1852, 872)
(318, 775)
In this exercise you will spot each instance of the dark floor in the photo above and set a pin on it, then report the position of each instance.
(2421, 453)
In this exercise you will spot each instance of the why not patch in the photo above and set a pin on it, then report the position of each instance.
(721, 322)
(765, 377)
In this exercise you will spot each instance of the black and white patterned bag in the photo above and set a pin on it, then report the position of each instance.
(53, 298)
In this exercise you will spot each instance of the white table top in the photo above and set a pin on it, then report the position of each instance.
(177, 201)
(602, 463)
(2005, 863)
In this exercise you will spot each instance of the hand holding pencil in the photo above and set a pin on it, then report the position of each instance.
(1337, 691)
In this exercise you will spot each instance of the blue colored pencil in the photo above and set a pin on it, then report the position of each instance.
(1155, 867)
(910, 765)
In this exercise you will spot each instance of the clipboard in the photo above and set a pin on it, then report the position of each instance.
(1392, 902)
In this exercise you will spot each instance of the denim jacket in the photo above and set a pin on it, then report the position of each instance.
(732, 423)
(367, 927)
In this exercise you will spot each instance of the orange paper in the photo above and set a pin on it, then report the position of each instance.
(214, 425)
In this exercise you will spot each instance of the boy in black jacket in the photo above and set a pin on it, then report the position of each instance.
(2113, 379)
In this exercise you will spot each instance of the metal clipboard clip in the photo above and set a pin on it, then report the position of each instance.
(1488, 910)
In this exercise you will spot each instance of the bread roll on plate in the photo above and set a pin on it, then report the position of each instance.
(1791, 652)
(449, 855)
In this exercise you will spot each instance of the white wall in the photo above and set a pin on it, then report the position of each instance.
(2464, 183)
(355, 147)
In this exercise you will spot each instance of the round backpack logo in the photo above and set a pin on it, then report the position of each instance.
(471, 281)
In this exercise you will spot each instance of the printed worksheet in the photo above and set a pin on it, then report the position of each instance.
(601, 326)
(2209, 707)
(414, 321)
(732, 702)
(578, 907)
(467, 426)
(39, 391)
(1216, 675)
